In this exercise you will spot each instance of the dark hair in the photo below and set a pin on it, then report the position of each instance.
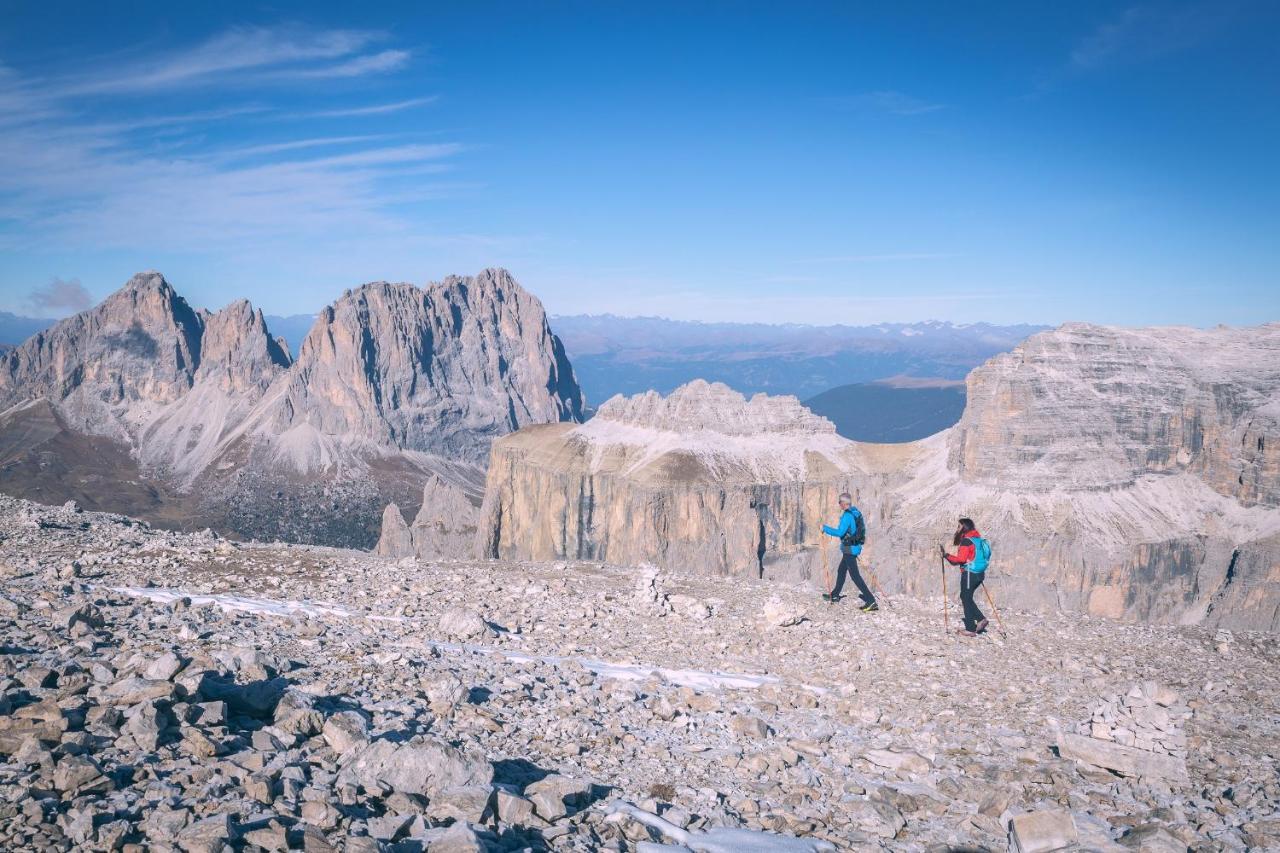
(966, 526)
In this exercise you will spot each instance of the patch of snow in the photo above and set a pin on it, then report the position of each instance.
(697, 679)
(720, 839)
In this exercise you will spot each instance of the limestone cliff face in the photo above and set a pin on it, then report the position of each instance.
(1090, 407)
(703, 480)
(440, 370)
(394, 384)
(1139, 492)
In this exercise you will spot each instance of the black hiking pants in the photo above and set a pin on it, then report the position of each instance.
(849, 568)
(969, 583)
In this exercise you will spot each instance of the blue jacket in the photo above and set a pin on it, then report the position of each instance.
(848, 524)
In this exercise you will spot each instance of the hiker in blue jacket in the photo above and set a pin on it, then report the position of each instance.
(852, 533)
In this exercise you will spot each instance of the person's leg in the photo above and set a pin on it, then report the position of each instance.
(863, 591)
(979, 618)
(966, 600)
(841, 572)
(969, 583)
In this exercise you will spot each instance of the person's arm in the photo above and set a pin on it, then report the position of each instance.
(845, 520)
(963, 555)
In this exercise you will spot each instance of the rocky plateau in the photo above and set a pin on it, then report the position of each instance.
(1128, 473)
(174, 691)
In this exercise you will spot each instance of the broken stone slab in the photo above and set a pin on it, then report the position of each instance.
(135, 691)
(42, 720)
(1152, 838)
(462, 623)
(905, 761)
(513, 808)
(554, 796)
(296, 713)
(752, 727)
(163, 668)
(1042, 831)
(345, 731)
(468, 804)
(1125, 760)
(388, 827)
(782, 614)
(421, 766)
(78, 773)
(876, 817)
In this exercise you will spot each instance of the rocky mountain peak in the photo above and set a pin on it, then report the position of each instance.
(238, 349)
(441, 370)
(113, 363)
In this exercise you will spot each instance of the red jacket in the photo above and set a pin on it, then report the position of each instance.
(964, 554)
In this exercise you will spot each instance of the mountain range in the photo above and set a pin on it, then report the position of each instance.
(630, 355)
(191, 418)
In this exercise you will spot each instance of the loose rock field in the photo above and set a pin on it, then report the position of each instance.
(170, 691)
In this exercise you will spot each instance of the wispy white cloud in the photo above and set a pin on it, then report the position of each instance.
(1142, 32)
(244, 53)
(76, 173)
(374, 109)
(299, 144)
(889, 101)
(374, 63)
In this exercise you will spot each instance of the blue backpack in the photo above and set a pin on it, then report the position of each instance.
(981, 554)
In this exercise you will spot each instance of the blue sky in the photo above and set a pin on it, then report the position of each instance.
(801, 162)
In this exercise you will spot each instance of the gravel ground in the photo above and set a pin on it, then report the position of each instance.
(175, 691)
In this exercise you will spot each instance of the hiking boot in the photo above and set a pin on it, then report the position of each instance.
(870, 608)
(831, 599)
(981, 627)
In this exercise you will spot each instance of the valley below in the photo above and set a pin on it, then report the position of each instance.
(182, 691)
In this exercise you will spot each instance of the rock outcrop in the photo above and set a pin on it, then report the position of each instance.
(1125, 473)
(704, 480)
(394, 385)
(445, 526)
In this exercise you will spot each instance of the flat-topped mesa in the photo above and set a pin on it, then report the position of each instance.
(1091, 407)
(1129, 473)
(707, 432)
(714, 407)
(702, 480)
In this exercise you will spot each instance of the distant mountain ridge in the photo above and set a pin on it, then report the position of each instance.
(216, 424)
(14, 329)
(630, 355)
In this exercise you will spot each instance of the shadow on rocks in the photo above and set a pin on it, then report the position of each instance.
(518, 772)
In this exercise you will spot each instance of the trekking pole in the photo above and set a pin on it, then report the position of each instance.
(826, 572)
(995, 610)
(875, 585)
(946, 618)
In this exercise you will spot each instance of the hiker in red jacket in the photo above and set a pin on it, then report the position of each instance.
(972, 555)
